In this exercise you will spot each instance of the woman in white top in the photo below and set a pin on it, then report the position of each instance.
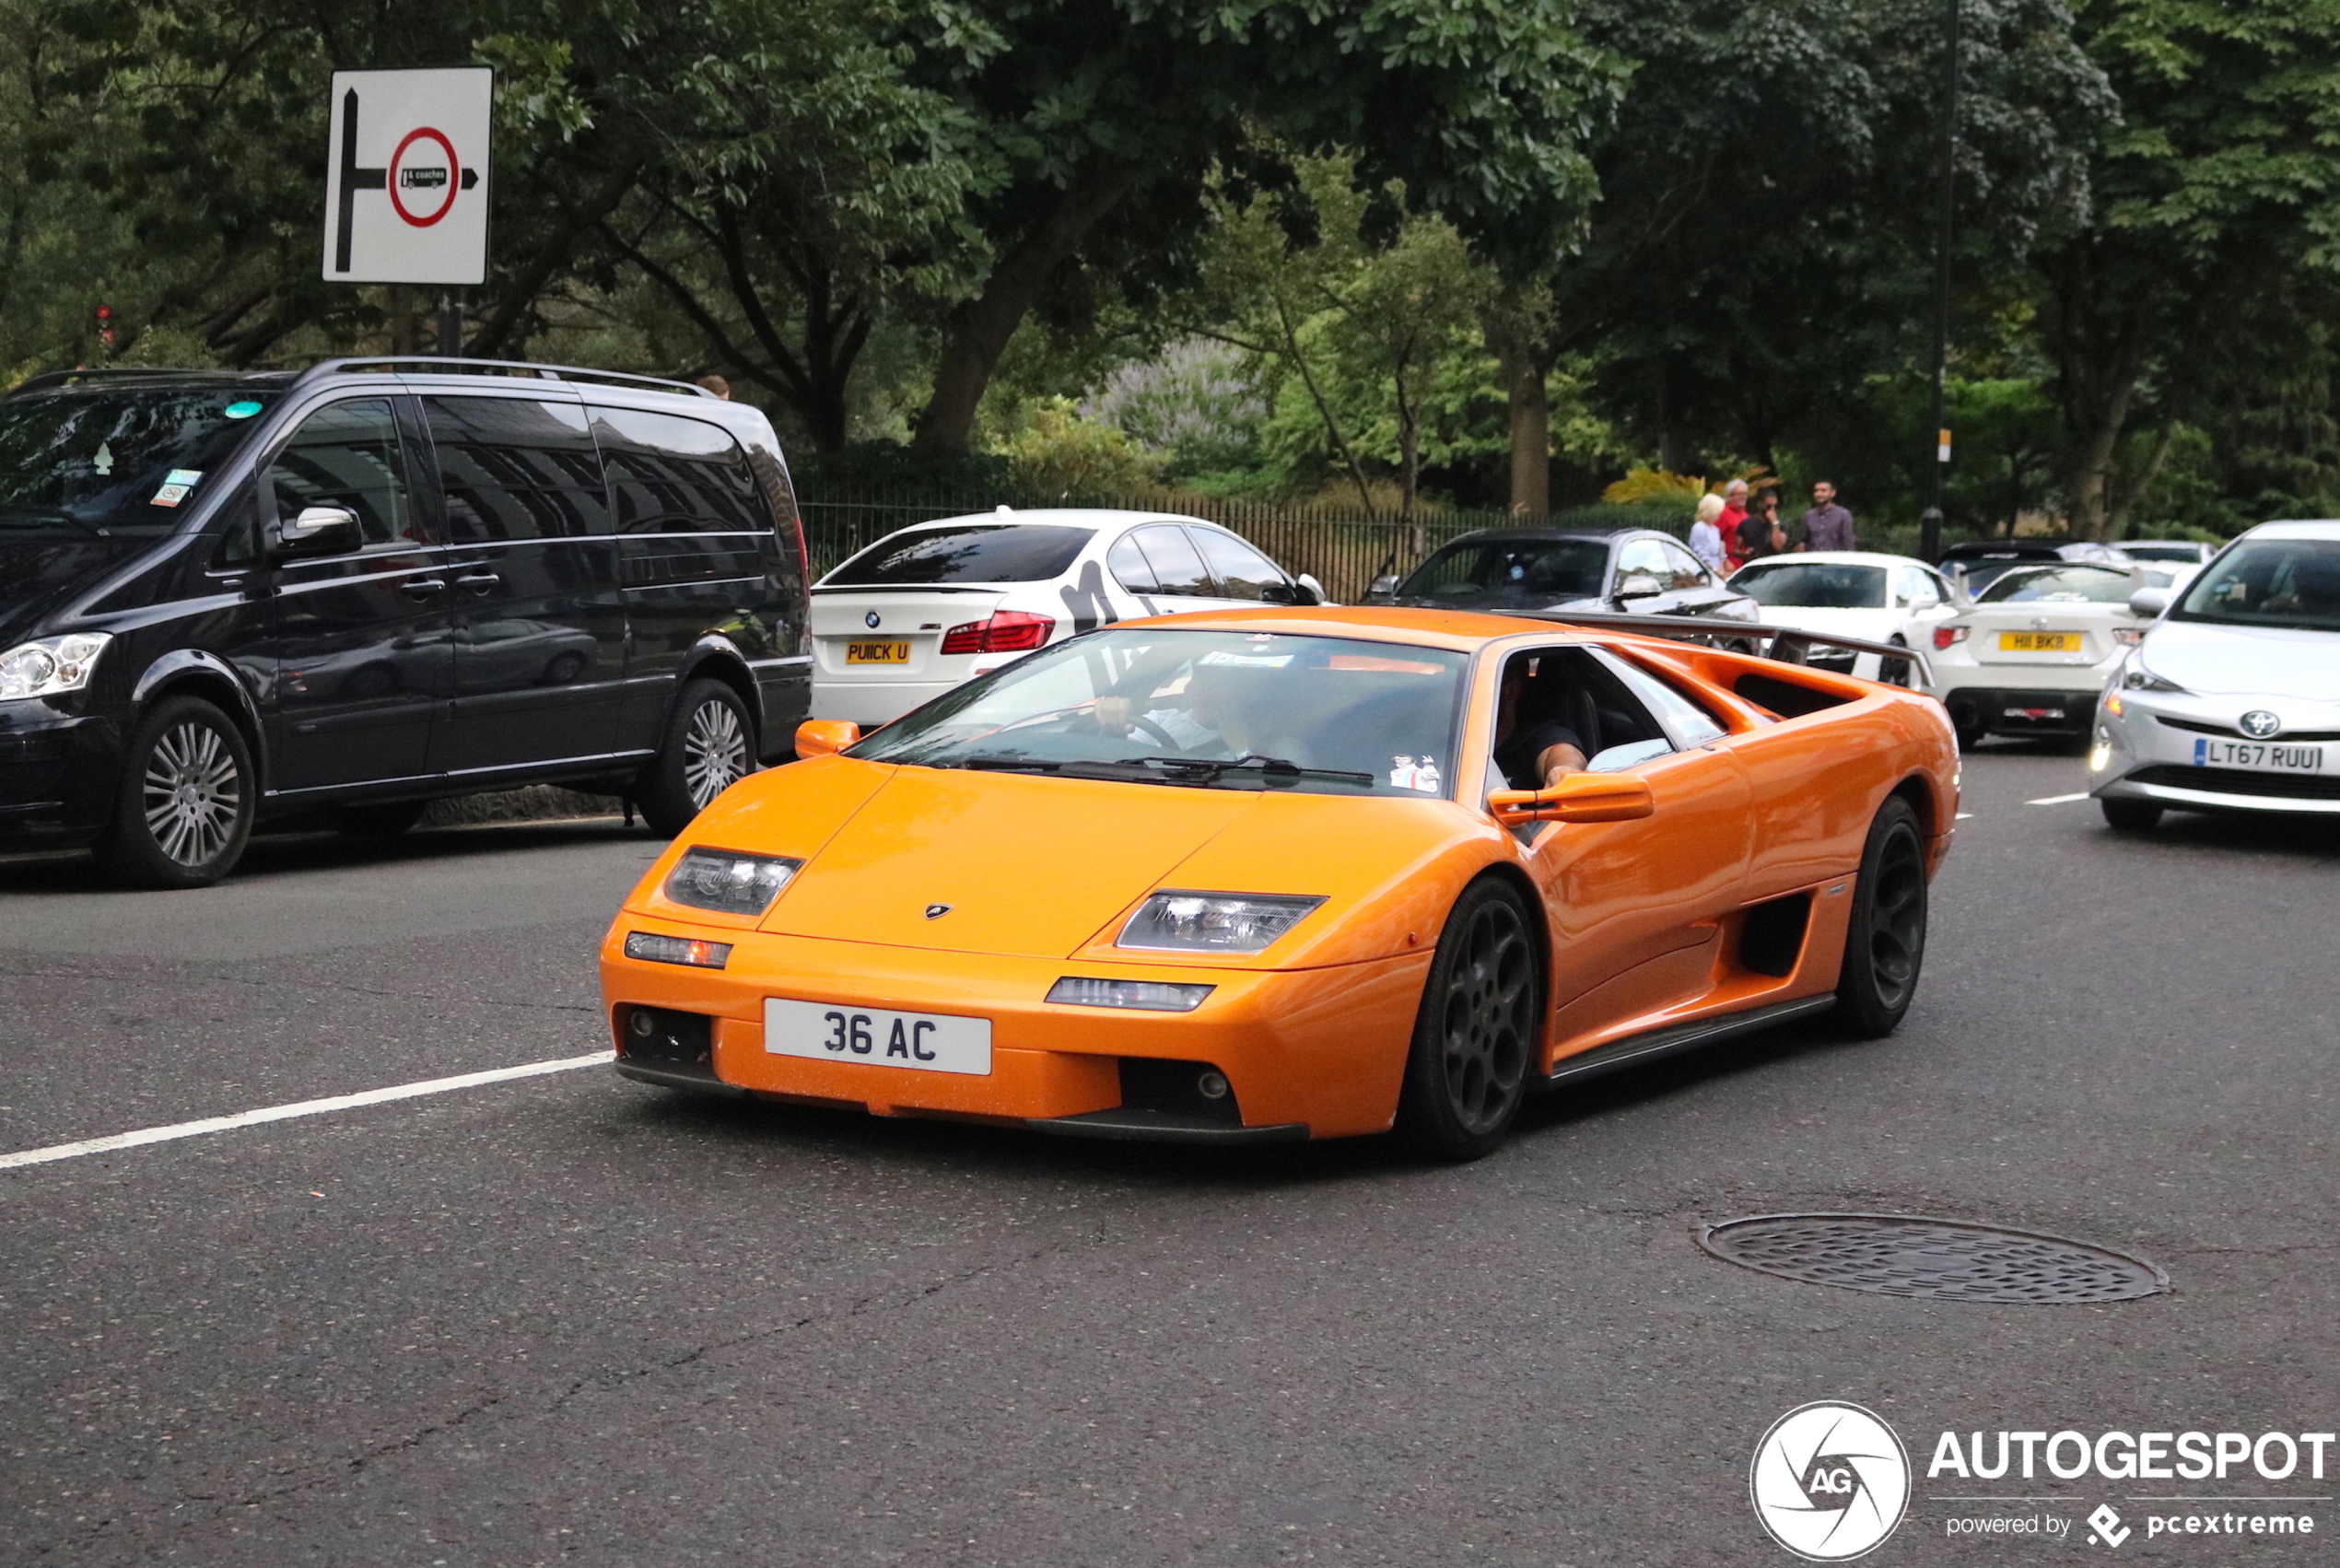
(1705, 539)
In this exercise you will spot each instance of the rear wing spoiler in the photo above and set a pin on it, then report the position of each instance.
(1784, 644)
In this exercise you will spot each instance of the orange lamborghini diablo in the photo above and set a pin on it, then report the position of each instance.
(1293, 873)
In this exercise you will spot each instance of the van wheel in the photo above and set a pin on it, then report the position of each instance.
(709, 746)
(183, 811)
(1885, 947)
(385, 819)
(1475, 1037)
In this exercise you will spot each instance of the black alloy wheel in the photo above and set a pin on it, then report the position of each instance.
(1477, 1033)
(1885, 947)
(183, 811)
(709, 746)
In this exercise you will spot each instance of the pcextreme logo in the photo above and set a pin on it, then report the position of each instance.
(1830, 1481)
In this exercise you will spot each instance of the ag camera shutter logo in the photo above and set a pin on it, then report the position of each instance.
(1830, 1481)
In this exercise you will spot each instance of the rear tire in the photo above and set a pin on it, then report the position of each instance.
(183, 810)
(385, 819)
(1475, 1034)
(2130, 816)
(1885, 947)
(709, 746)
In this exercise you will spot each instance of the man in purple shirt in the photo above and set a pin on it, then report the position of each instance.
(1827, 526)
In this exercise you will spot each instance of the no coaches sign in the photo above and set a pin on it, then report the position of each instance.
(406, 176)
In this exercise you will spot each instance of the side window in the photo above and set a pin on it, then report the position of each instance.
(1242, 571)
(347, 455)
(1688, 723)
(1567, 693)
(1178, 569)
(1130, 568)
(1682, 568)
(238, 533)
(516, 468)
(673, 474)
(1644, 556)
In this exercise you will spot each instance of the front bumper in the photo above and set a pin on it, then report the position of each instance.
(1306, 1053)
(58, 774)
(2022, 711)
(2154, 749)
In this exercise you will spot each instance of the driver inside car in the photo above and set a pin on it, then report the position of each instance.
(1219, 713)
(1533, 754)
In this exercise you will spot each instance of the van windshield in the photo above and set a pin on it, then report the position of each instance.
(118, 460)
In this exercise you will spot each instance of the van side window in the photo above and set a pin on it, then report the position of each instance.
(516, 468)
(347, 455)
(673, 474)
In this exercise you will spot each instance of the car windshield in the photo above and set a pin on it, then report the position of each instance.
(1539, 570)
(2293, 583)
(976, 552)
(1814, 585)
(1206, 710)
(117, 461)
(2061, 585)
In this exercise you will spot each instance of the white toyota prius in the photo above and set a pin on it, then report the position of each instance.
(2231, 702)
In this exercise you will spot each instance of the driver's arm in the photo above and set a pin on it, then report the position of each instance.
(1555, 763)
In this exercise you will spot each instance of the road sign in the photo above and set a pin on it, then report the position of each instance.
(406, 176)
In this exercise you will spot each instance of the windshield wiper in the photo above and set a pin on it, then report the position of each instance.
(1004, 761)
(1271, 766)
(39, 517)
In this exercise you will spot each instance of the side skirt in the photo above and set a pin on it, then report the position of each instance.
(1635, 1049)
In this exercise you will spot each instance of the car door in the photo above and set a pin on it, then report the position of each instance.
(363, 657)
(539, 623)
(1634, 907)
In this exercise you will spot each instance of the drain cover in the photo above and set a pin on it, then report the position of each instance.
(1903, 1255)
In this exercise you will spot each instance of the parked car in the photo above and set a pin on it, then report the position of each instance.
(1975, 565)
(1889, 599)
(1538, 569)
(225, 597)
(937, 604)
(2030, 654)
(2230, 702)
(1256, 875)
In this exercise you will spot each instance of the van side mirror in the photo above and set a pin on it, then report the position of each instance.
(2147, 603)
(824, 737)
(318, 531)
(1580, 797)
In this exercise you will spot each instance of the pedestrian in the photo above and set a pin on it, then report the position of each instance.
(1759, 532)
(1734, 513)
(1706, 533)
(716, 384)
(1827, 526)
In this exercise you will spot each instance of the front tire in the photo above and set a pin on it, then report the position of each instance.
(183, 811)
(1885, 947)
(2130, 816)
(709, 746)
(1475, 1034)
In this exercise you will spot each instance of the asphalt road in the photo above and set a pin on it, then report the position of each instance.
(570, 1320)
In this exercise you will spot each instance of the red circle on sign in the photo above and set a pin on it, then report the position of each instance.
(454, 177)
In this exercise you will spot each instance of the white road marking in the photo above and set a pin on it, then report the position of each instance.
(299, 1108)
(2057, 799)
(1963, 815)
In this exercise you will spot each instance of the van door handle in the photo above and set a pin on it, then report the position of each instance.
(422, 587)
(479, 582)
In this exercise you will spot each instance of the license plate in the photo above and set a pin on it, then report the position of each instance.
(877, 653)
(2271, 756)
(925, 1042)
(2039, 642)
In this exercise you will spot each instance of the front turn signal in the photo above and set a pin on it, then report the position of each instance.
(1580, 797)
(824, 737)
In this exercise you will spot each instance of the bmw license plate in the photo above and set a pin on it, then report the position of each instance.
(877, 653)
(2268, 757)
(924, 1042)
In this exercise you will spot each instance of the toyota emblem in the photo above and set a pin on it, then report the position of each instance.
(871, 620)
(2261, 725)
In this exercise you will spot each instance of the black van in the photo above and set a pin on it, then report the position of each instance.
(226, 596)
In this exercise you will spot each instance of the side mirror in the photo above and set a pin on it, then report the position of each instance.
(318, 531)
(1580, 797)
(824, 737)
(1925, 598)
(1381, 587)
(2147, 603)
(1315, 590)
(1638, 585)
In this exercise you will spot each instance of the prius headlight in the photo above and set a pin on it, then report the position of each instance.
(2137, 678)
(51, 665)
(1213, 922)
(728, 881)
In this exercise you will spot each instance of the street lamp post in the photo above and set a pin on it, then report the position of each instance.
(1930, 526)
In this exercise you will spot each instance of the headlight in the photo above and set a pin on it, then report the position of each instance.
(1213, 922)
(51, 665)
(654, 949)
(728, 881)
(2137, 678)
(1146, 995)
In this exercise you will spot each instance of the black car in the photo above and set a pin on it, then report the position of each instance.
(1636, 569)
(225, 597)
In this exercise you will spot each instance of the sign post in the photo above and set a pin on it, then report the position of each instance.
(406, 181)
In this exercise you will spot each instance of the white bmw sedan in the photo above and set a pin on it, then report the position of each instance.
(940, 603)
(2231, 702)
(1889, 599)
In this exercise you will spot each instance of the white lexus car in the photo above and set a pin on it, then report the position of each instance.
(2231, 701)
(1889, 599)
(934, 604)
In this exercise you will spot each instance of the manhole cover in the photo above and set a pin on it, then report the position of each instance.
(1902, 1256)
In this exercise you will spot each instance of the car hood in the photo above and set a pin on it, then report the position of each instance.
(2246, 661)
(40, 573)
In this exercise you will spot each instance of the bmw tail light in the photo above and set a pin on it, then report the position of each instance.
(1006, 631)
(1948, 637)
